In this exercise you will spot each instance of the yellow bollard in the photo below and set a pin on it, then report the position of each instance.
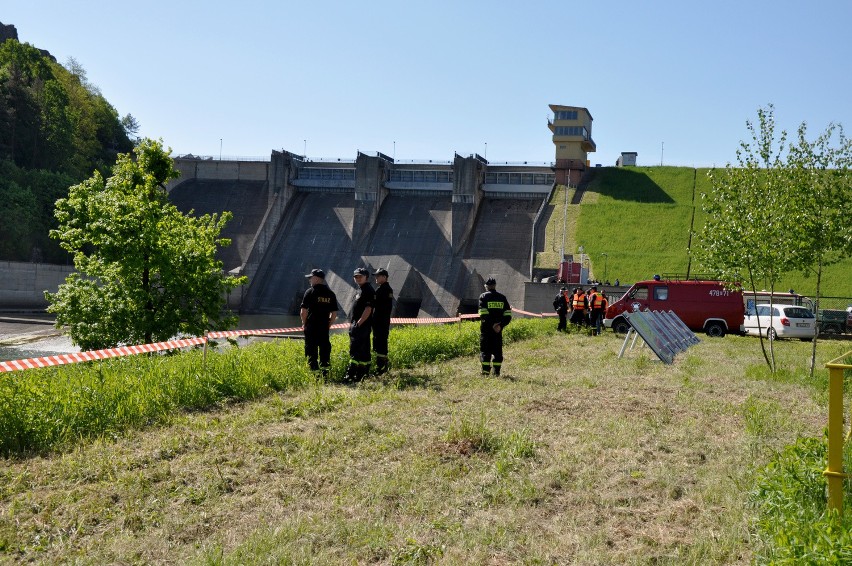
(834, 472)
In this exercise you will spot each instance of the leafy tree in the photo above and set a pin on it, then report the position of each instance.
(27, 198)
(145, 271)
(99, 134)
(747, 232)
(53, 124)
(23, 74)
(17, 207)
(822, 182)
(131, 126)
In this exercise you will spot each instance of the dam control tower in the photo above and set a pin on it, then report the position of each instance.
(572, 135)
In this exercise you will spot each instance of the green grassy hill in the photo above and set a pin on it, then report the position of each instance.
(641, 218)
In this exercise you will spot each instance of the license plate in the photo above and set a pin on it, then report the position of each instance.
(802, 324)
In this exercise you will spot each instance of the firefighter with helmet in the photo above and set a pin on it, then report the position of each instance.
(494, 315)
(560, 305)
(382, 319)
(360, 327)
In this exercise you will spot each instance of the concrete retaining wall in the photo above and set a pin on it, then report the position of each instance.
(22, 285)
(217, 170)
(538, 297)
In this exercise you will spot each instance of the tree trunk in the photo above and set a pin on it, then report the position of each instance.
(816, 308)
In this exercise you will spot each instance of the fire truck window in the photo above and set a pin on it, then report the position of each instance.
(640, 293)
(661, 293)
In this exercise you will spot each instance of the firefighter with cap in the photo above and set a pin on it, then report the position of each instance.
(318, 312)
(494, 315)
(598, 304)
(560, 305)
(382, 320)
(359, 328)
(578, 307)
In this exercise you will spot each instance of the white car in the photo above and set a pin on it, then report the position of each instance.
(781, 321)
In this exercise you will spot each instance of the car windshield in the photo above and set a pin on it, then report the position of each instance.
(798, 312)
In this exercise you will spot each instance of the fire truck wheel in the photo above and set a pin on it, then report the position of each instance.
(715, 329)
(620, 326)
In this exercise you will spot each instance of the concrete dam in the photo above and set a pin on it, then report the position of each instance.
(440, 229)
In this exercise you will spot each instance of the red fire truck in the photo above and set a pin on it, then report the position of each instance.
(702, 305)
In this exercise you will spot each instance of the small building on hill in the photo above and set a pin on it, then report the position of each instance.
(628, 158)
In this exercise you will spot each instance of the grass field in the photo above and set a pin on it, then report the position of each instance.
(572, 456)
(641, 218)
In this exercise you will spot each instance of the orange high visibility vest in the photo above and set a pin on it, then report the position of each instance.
(578, 301)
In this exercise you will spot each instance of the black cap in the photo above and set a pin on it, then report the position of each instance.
(594, 287)
(382, 271)
(361, 271)
(564, 288)
(316, 273)
(490, 281)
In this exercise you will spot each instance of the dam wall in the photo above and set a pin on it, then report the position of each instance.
(209, 169)
(440, 229)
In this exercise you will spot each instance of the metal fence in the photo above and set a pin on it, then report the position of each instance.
(835, 303)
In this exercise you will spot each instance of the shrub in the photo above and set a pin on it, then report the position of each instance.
(794, 525)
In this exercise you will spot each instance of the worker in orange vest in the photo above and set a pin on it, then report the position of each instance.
(578, 307)
(598, 304)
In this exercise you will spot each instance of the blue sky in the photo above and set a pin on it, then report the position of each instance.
(672, 80)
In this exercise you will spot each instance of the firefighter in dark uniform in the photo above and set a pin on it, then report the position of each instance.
(598, 304)
(318, 312)
(560, 305)
(494, 315)
(382, 320)
(578, 307)
(359, 328)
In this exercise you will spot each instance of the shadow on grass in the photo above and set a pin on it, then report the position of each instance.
(627, 185)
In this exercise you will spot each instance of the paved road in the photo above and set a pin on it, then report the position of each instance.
(22, 329)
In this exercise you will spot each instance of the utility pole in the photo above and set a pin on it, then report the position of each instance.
(662, 145)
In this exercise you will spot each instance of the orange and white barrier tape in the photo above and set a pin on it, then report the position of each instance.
(424, 320)
(253, 332)
(63, 359)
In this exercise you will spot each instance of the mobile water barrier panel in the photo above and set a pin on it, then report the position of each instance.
(664, 333)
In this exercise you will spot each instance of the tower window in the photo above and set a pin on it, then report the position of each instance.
(572, 131)
(565, 115)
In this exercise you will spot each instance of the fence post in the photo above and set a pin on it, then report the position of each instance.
(204, 356)
(834, 472)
